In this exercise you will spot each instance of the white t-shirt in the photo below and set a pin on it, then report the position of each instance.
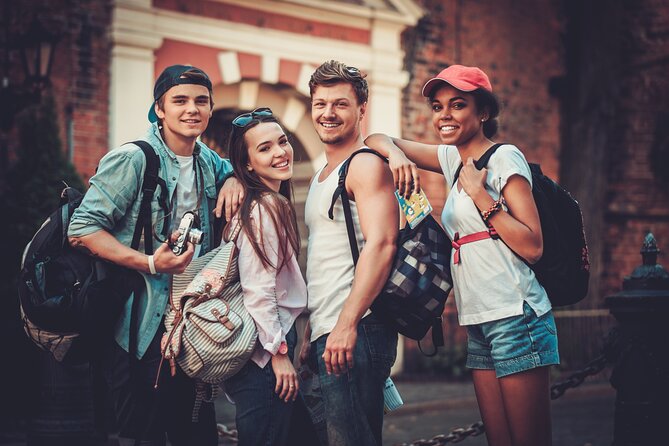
(185, 198)
(330, 267)
(490, 282)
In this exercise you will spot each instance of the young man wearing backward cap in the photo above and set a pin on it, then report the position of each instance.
(103, 225)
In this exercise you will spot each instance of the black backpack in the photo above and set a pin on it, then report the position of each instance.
(564, 267)
(65, 292)
(413, 298)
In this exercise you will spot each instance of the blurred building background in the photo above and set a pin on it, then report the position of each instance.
(583, 84)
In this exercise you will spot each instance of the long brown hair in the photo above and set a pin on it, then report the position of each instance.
(277, 205)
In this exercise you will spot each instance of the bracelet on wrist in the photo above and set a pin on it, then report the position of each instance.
(496, 206)
(152, 265)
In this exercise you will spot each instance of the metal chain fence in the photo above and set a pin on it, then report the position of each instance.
(455, 436)
(611, 351)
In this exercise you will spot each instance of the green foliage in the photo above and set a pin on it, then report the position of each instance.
(33, 184)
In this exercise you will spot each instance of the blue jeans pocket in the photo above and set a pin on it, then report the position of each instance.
(546, 320)
(549, 322)
(382, 345)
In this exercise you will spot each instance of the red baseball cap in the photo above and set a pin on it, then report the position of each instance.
(461, 77)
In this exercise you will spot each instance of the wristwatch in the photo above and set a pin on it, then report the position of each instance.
(283, 348)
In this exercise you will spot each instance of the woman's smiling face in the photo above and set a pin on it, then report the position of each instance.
(454, 115)
(270, 154)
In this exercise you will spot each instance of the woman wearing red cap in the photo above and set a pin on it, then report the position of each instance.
(510, 326)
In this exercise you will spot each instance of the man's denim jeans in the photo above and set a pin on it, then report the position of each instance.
(354, 400)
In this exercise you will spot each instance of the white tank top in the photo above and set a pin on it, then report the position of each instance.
(329, 263)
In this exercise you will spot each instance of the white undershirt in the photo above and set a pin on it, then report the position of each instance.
(186, 194)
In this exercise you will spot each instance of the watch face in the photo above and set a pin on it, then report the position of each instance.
(283, 348)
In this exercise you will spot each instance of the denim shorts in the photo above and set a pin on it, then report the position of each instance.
(513, 344)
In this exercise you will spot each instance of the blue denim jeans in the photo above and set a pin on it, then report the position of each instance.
(354, 400)
(262, 418)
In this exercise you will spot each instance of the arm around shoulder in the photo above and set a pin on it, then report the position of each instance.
(424, 155)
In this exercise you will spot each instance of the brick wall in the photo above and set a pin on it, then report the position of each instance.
(637, 193)
(517, 43)
(80, 73)
(520, 65)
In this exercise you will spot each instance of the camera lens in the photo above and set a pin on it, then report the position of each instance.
(195, 236)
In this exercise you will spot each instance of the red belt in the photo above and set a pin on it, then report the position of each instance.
(475, 237)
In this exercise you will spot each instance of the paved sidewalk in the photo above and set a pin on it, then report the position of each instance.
(582, 417)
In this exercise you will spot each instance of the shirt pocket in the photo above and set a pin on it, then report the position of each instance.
(210, 196)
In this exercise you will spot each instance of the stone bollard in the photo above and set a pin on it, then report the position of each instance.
(641, 374)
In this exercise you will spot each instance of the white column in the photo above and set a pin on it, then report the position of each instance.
(132, 71)
(384, 110)
(386, 79)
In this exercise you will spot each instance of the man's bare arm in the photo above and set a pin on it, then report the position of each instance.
(103, 245)
(370, 182)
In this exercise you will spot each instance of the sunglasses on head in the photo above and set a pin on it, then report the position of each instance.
(244, 119)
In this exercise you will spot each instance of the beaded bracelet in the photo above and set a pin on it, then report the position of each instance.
(496, 206)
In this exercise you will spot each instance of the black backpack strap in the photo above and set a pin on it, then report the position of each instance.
(481, 162)
(143, 225)
(437, 338)
(149, 186)
(340, 191)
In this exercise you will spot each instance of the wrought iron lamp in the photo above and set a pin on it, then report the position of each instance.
(36, 47)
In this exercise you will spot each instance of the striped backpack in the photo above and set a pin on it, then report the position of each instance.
(209, 332)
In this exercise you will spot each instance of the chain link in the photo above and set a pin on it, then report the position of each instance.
(455, 436)
(611, 350)
(227, 433)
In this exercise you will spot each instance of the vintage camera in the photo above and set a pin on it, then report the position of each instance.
(188, 232)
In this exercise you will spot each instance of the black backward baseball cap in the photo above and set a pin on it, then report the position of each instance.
(170, 77)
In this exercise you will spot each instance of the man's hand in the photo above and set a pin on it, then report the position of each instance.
(230, 196)
(166, 261)
(405, 173)
(338, 355)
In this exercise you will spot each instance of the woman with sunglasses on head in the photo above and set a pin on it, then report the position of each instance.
(510, 326)
(274, 291)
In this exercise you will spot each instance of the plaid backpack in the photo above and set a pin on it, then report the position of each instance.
(414, 295)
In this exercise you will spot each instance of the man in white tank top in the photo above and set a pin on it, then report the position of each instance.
(353, 350)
